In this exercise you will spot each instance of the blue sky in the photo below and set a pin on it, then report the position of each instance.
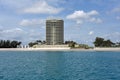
(84, 20)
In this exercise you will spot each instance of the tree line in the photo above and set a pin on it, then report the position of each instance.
(69, 43)
(40, 42)
(9, 44)
(31, 44)
(101, 42)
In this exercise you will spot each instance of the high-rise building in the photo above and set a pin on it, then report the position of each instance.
(54, 32)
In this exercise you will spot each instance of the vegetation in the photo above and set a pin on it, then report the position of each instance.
(31, 44)
(84, 46)
(117, 44)
(70, 43)
(9, 44)
(74, 44)
(101, 42)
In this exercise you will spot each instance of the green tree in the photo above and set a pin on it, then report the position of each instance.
(14, 44)
(99, 42)
(9, 44)
(117, 44)
(31, 44)
(108, 43)
(70, 43)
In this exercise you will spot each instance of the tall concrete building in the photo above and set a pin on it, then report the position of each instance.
(54, 32)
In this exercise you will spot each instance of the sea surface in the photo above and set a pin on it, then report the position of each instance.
(59, 65)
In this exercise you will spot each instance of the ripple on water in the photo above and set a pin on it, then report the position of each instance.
(1, 76)
(36, 65)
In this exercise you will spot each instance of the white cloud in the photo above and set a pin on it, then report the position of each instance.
(96, 20)
(92, 13)
(118, 17)
(21, 35)
(33, 22)
(115, 36)
(12, 30)
(116, 10)
(16, 4)
(42, 8)
(1, 27)
(81, 16)
(15, 33)
(91, 33)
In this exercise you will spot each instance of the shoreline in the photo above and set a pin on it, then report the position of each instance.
(59, 49)
(107, 49)
(43, 49)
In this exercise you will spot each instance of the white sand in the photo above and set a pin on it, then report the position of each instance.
(34, 49)
(58, 49)
(107, 49)
(43, 49)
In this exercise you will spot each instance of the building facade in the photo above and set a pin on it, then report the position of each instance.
(54, 32)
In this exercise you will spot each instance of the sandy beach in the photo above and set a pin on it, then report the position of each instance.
(107, 49)
(58, 49)
(43, 49)
(34, 49)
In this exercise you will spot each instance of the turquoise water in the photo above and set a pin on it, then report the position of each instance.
(62, 65)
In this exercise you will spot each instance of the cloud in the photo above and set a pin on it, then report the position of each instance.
(81, 16)
(42, 8)
(91, 33)
(21, 35)
(15, 4)
(12, 30)
(116, 10)
(15, 33)
(115, 36)
(118, 17)
(1, 27)
(33, 22)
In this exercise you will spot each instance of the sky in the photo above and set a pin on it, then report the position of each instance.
(84, 20)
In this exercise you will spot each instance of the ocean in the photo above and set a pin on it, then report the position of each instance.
(59, 65)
